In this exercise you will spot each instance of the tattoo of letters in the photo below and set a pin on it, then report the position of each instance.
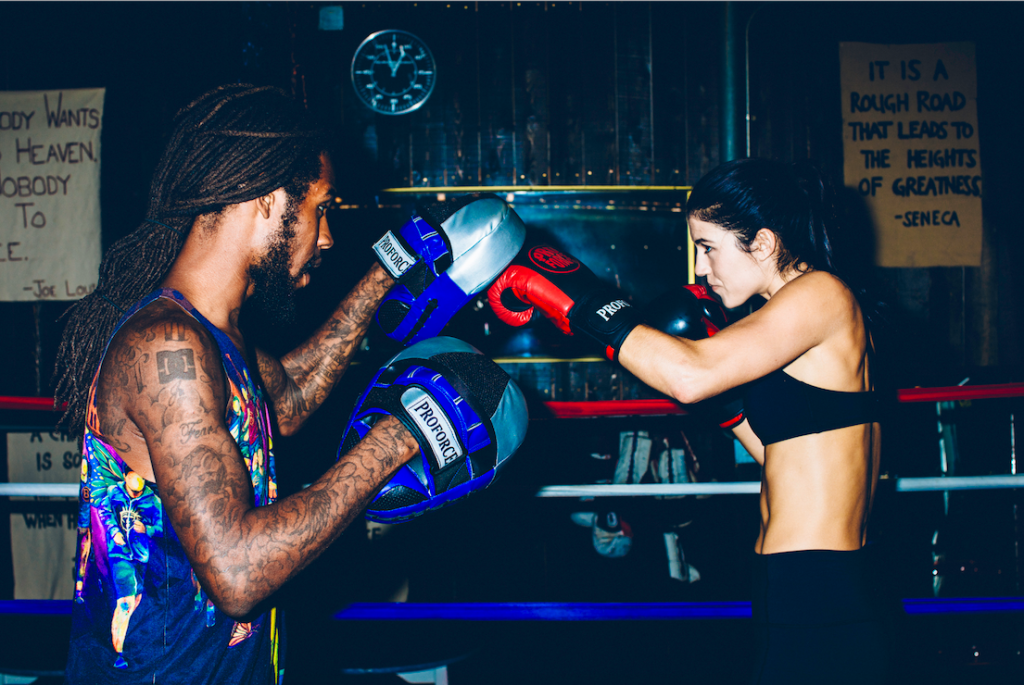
(193, 431)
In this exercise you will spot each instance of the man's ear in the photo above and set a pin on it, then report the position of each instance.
(265, 205)
(765, 244)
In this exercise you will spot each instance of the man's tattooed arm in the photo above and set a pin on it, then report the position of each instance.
(122, 380)
(300, 381)
(240, 553)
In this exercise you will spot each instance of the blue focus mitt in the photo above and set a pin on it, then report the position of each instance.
(441, 258)
(465, 412)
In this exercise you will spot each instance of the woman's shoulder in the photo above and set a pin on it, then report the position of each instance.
(820, 284)
(820, 295)
(824, 304)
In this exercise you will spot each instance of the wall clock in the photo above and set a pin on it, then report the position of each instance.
(393, 72)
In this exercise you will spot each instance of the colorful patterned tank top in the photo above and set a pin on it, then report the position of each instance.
(139, 613)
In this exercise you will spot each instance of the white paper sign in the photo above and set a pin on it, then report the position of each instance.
(49, 193)
(43, 538)
(911, 149)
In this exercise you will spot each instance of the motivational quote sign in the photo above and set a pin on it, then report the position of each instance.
(49, 193)
(910, 146)
(43, 537)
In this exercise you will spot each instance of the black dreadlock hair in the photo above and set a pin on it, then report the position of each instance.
(233, 144)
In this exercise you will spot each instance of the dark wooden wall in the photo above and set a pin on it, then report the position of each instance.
(536, 94)
(528, 94)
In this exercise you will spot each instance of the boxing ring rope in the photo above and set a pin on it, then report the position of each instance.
(27, 403)
(39, 490)
(665, 407)
(628, 611)
(564, 611)
(588, 611)
(565, 410)
(654, 407)
(754, 487)
(642, 490)
(588, 409)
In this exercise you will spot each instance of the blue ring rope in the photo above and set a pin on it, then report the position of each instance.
(557, 611)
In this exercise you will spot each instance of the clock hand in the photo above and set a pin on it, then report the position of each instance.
(391, 63)
(401, 56)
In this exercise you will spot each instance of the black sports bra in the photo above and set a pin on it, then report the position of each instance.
(779, 407)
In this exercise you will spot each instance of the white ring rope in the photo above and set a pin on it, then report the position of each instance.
(959, 483)
(646, 490)
(754, 487)
(643, 490)
(39, 489)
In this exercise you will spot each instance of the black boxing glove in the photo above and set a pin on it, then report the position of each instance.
(725, 409)
(680, 312)
(567, 292)
(691, 312)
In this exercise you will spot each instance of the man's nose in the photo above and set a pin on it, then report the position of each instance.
(325, 239)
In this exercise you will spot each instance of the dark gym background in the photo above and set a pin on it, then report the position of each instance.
(533, 94)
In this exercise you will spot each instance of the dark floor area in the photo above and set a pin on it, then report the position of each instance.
(929, 651)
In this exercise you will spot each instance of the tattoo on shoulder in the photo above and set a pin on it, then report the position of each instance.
(175, 332)
(128, 362)
(174, 365)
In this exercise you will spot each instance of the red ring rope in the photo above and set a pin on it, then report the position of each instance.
(28, 403)
(578, 410)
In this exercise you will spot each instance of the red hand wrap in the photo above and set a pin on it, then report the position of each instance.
(734, 421)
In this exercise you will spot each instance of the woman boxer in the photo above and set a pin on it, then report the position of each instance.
(761, 228)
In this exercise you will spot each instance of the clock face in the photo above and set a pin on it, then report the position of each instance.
(393, 72)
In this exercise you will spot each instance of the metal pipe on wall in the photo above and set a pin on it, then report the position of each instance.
(746, 78)
(729, 96)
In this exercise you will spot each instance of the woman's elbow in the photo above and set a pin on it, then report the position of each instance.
(691, 388)
(685, 391)
(687, 379)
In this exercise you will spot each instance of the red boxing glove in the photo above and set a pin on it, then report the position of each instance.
(567, 292)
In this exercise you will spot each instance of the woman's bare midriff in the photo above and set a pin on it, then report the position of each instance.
(816, 490)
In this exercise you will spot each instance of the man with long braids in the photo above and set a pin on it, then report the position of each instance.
(159, 379)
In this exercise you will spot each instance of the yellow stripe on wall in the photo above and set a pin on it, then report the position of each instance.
(691, 252)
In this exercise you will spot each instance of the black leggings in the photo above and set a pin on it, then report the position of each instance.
(816, 619)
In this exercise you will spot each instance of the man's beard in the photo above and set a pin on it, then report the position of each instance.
(275, 288)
